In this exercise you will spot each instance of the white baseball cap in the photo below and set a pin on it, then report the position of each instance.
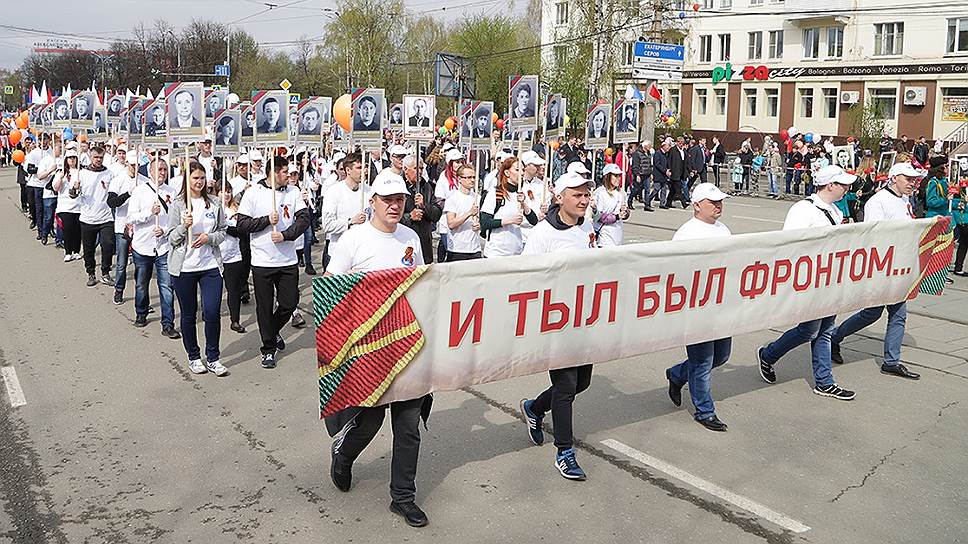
(293, 168)
(577, 167)
(243, 159)
(530, 157)
(399, 150)
(338, 156)
(70, 153)
(707, 191)
(905, 169)
(570, 180)
(389, 183)
(833, 174)
(454, 155)
(611, 168)
(122, 148)
(130, 158)
(503, 155)
(256, 155)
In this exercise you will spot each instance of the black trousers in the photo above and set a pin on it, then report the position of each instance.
(26, 199)
(453, 257)
(405, 423)
(245, 248)
(91, 236)
(276, 296)
(72, 231)
(961, 232)
(565, 384)
(235, 277)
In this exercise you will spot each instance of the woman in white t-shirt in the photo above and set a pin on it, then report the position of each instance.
(446, 184)
(234, 271)
(195, 262)
(503, 211)
(461, 212)
(609, 207)
(69, 209)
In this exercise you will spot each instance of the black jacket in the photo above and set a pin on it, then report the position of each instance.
(660, 163)
(425, 227)
(695, 159)
(677, 163)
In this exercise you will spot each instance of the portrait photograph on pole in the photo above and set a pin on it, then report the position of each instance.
(61, 117)
(596, 133)
(153, 122)
(248, 123)
(228, 132)
(115, 104)
(368, 107)
(523, 102)
(418, 116)
(99, 132)
(626, 115)
(554, 118)
(309, 117)
(466, 120)
(82, 109)
(215, 101)
(325, 105)
(843, 156)
(185, 112)
(395, 117)
(271, 117)
(483, 125)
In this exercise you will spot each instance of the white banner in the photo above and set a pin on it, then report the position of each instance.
(494, 319)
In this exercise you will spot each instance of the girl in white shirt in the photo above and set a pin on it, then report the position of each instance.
(195, 232)
(609, 207)
(461, 210)
(503, 211)
(234, 271)
(69, 209)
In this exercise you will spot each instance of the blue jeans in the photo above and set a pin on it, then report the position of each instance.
(771, 178)
(896, 318)
(186, 286)
(50, 206)
(818, 333)
(143, 267)
(308, 246)
(120, 261)
(684, 185)
(695, 370)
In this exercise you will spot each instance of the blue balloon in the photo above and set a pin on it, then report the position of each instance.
(808, 137)
(68, 134)
(682, 15)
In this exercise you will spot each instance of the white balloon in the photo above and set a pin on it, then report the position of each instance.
(232, 99)
(792, 131)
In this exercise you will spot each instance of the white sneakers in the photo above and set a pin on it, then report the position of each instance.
(71, 257)
(215, 367)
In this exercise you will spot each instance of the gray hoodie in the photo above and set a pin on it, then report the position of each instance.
(177, 234)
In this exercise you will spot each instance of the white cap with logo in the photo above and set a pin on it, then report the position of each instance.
(833, 174)
(577, 167)
(453, 155)
(905, 169)
(707, 191)
(611, 168)
(531, 157)
(570, 180)
(399, 150)
(389, 183)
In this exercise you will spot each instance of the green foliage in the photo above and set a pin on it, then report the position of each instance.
(866, 122)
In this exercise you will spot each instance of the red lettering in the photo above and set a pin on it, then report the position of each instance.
(762, 73)
(694, 291)
(674, 291)
(802, 281)
(721, 274)
(824, 270)
(753, 281)
(877, 264)
(522, 300)
(855, 274)
(778, 276)
(597, 296)
(647, 295)
(475, 316)
(841, 256)
(748, 73)
(547, 307)
(579, 304)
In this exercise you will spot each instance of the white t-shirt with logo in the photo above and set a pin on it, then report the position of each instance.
(605, 202)
(120, 185)
(695, 229)
(340, 204)
(94, 197)
(364, 248)
(535, 191)
(229, 248)
(257, 202)
(66, 204)
(507, 240)
(545, 238)
(463, 239)
(885, 205)
(143, 198)
(201, 258)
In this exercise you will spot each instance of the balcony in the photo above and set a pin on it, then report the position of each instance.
(806, 13)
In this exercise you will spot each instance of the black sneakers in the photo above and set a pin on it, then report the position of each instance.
(118, 298)
(170, 332)
(268, 360)
(675, 390)
(835, 355)
(766, 369)
(106, 279)
(280, 343)
(141, 321)
(534, 422)
(410, 512)
(834, 391)
(91, 280)
(298, 321)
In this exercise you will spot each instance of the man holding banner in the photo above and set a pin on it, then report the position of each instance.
(816, 211)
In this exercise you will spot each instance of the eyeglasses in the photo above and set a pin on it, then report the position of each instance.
(467, 177)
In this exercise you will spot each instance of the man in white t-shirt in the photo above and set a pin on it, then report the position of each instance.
(206, 159)
(815, 212)
(46, 170)
(890, 203)
(344, 204)
(274, 223)
(239, 183)
(97, 220)
(564, 229)
(378, 244)
(35, 185)
(702, 358)
(119, 191)
(533, 185)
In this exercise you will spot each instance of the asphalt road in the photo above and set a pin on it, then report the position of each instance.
(113, 440)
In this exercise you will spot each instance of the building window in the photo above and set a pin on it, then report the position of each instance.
(701, 96)
(706, 48)
(811, 43)
(885, 100)
(725, 44)
(806, 102)
(561, 55)
(750, 102)
(958, 35)
(756, 2)
(888, 38)
(720, 101)
(830, 103)
(772, 102)
(835, 42)
(776, 44)
(707, 4)
(672, 94)
(561, 13)
(628, 53)
(756, 45)
(726, 3)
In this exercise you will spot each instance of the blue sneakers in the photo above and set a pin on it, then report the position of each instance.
(534, 422)
(567, 465)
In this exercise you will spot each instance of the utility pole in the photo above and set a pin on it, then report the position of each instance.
(228, 52)
(650, 111)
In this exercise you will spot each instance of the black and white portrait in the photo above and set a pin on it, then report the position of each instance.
(843, 156)
(154, 120)
(61, 114)
(135, 115)
(83, 107)
(482, 120)
(293, 122)
(553, 113)
(248, 122)
(271, 116)
(339, 135)
(47, 116)
(626, 121)
(325, 105)
(367, 112)
(310, 121)
(418, 114)
(466, 122)
(185, 110)
(396, 116)
(215, 101)
(115, 105)
(227, 132)
(596, 134)
(523, 97)
(100, 120)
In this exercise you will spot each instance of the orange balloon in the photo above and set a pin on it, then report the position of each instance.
(23, 121)
(82, 138)
(608, 152)
(15, 137)
(449, 123)
(342, 111)
(494, 117)
(18, 156)
(554, 144)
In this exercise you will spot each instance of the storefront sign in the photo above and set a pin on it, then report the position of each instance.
(954, 108)
(750, 72)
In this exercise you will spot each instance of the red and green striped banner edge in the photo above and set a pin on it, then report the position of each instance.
(366, 334)
(934, 257)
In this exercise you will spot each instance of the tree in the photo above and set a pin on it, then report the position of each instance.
(364, 39)
(866, 122)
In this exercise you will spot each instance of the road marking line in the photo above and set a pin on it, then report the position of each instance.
(768, 514)
(14, 391)
(758, 219)
(745, 205)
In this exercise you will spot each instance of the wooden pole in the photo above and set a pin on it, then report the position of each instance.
(272, 174)
(366, 177)
(188, 197)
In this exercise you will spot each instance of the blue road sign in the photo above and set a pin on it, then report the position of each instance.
(222, 70)
(663, 51)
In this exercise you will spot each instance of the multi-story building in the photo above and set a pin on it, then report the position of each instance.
(760, 66)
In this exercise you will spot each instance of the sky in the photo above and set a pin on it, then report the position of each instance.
(105, 20)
